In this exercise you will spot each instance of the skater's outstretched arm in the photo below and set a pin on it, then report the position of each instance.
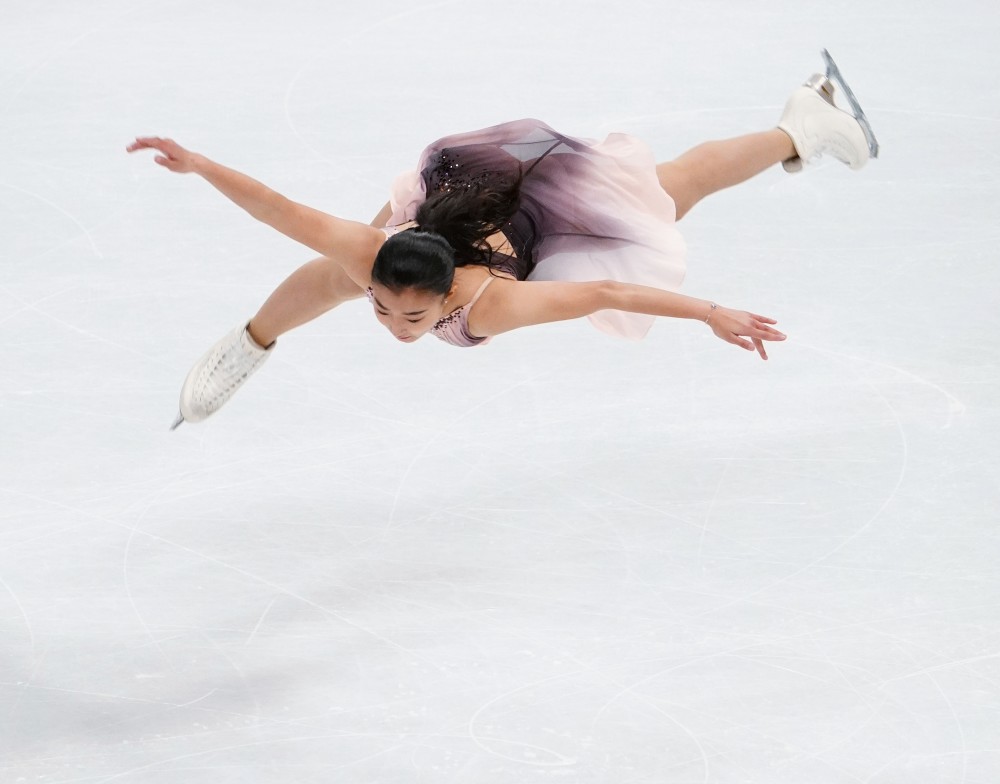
(508, 305)
(351, 244)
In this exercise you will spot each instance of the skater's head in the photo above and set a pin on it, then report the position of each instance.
(412, 279)
(415, 260)
(414, 271)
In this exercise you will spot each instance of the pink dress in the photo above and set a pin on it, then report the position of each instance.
(588, 211)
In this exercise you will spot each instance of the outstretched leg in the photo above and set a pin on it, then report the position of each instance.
(811, 125)
(715, 165)
(309, 292)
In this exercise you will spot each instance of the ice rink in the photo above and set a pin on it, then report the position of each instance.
(561, 557)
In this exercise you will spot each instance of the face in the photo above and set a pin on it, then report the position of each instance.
(408, 314)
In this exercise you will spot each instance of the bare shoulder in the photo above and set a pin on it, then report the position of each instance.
(495, 307)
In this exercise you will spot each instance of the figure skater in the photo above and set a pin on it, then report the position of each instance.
(512, 226)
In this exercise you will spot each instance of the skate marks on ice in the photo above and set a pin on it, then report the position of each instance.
(651, 580)
(630, 704)
(356, 40)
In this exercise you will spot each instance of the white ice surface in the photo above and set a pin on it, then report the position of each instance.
(561, 557)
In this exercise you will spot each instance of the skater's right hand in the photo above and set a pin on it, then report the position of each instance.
(173, 156)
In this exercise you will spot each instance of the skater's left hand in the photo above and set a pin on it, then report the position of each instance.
(734, 326)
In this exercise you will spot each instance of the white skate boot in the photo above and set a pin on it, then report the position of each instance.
(817, 126)
(217, 375)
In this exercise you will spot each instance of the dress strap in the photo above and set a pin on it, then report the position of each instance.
(479, 291)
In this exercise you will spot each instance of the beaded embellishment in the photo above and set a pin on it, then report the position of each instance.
(441, 323)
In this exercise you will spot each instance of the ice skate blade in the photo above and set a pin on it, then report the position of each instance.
(177, 422)
(833, 73)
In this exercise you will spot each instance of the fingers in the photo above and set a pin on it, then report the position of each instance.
(756, 340)
(767, 334)
(764, 331)
(143, 143)
(166, 146)
(759, 345)
(171, 155)
(736, 340)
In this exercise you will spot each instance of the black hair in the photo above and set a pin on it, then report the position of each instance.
(415, 260)
(453, 226)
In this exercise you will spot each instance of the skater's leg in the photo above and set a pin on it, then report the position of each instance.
(715, 165)
(307, 293)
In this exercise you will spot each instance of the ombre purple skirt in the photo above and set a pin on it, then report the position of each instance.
(589, 210)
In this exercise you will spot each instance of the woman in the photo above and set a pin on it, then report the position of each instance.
(507, 227)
